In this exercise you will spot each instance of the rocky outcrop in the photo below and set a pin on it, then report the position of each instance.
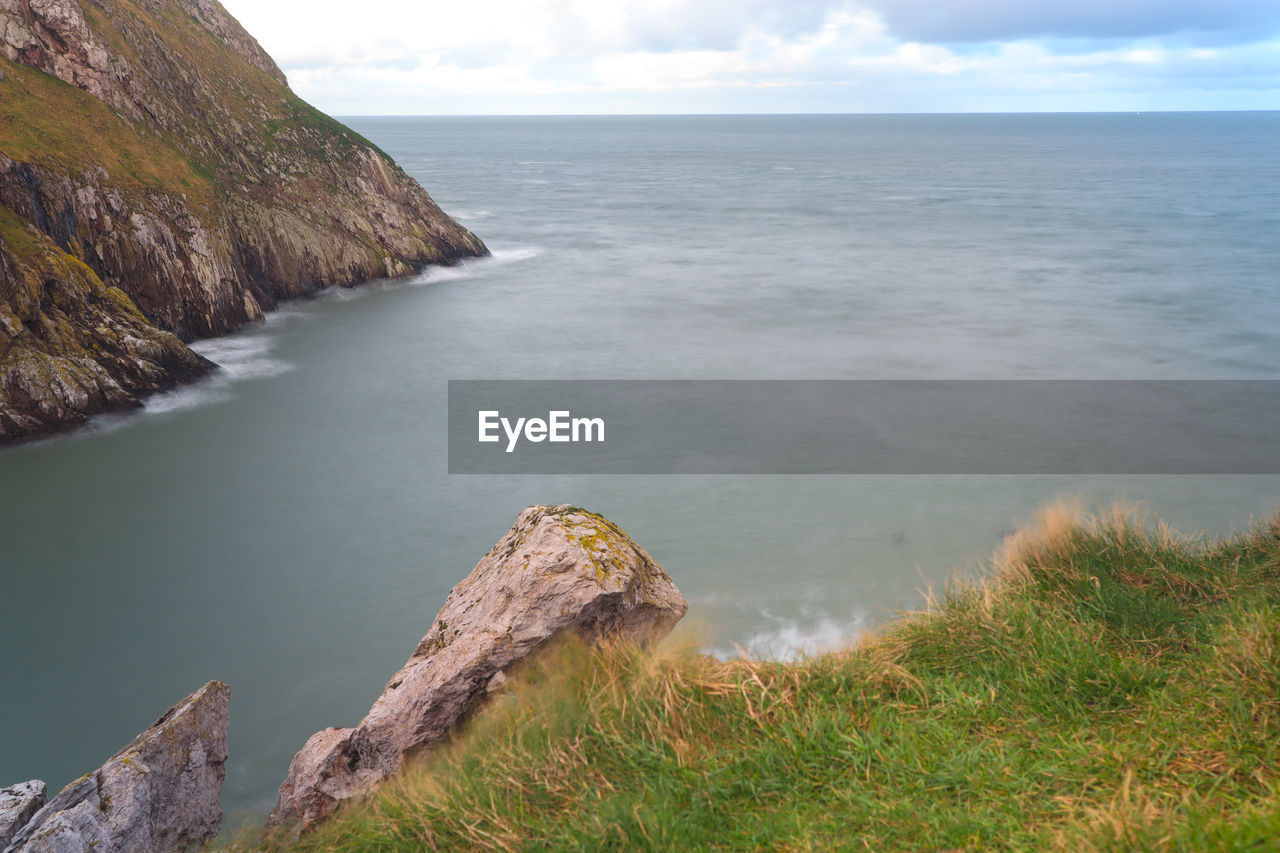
(18, 804)
(559, 569)
(158, 794)
(69, 344)
(162, 148)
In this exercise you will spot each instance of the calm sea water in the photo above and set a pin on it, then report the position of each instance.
(289, 526)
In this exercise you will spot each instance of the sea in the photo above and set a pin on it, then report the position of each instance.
(290, 526)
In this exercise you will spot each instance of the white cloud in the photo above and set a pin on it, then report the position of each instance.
(558, 56)
(1008, 20)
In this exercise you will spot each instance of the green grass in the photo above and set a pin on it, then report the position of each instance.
(1113, 686)
(48, 122)
(20, 238)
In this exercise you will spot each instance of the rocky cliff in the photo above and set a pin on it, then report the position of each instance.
(160, 182)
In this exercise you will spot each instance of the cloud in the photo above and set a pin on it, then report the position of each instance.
(583, 56)
(491, 30)
(667, 25)
(946, 21)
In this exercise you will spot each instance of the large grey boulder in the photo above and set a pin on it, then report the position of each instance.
(158, 794)
(559, 569)
(18, 804)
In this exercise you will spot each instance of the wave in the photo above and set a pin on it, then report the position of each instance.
(239, 359)
(247, 356)
(473, 267)
(283, 315)
(236, 355)
(466, 269)
(789, 639)
(187, 397)
(512, 255)
(471, 215)
(346, 294)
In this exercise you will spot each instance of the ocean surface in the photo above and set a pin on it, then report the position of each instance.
(289, 525)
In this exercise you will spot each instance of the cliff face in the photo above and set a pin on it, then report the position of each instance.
(71, 345)
(152, 152)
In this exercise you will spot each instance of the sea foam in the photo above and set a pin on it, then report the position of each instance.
(239, 358)
(790, 639)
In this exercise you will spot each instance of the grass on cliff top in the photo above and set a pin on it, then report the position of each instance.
(243, 91)
(1113, 686)
(233, 90)
(46, 121)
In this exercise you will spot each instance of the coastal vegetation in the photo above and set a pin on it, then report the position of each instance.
(1110, 685)
(160, 148)
(51, 124)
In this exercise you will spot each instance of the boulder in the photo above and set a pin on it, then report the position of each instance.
(158, 794)
(559, 569)
(18, 804)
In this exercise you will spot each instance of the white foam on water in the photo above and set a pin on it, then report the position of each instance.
(510, 256)
(187, 397)
(239, 358)
(345, 294)
(471, 215)
(474, 267)
(790, 639)
(247, 356)
(281, 316)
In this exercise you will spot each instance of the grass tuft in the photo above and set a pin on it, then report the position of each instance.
(1112, 686)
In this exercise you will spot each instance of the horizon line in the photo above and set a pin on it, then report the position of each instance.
(803, 114)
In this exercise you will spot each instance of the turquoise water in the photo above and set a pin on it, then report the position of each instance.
(289, 525)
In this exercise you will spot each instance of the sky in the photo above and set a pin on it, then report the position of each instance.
(510, 57)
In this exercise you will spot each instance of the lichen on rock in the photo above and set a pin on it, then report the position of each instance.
(158, 794)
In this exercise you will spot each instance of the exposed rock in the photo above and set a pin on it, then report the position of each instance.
(167, 153)
(18, 803)
(158, 794)
(559, 569)
(69, 344)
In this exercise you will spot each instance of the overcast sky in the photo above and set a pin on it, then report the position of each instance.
(768, 56)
